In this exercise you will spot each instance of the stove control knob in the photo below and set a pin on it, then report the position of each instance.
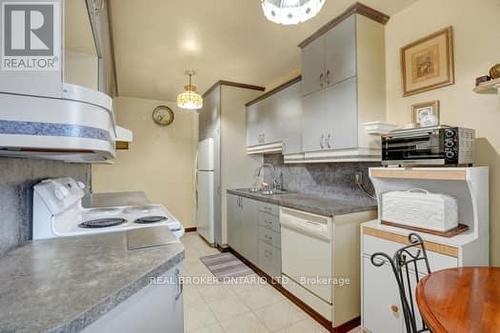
(81, 185)
(61, 192)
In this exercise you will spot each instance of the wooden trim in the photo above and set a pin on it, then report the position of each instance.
(357, 8)
(233, 84)
(275, 90)
(190, 229)
(121, 145)
(431, 246)
(223, 248)
(347, 326)
(450, 233)
(445, 174)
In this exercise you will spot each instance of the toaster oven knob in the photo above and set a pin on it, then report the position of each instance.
(449, 143)
(449, 133)
(450, 155)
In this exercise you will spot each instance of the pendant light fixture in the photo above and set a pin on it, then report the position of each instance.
(190, 99)
(289, 12)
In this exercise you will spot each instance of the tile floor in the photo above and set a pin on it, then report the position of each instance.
(247, 307)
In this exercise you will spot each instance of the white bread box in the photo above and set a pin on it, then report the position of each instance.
(420, 208)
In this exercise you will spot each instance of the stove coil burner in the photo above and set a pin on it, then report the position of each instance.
(150, 219)
(102, 223)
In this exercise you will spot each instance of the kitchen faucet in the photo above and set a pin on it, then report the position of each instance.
(276, 184)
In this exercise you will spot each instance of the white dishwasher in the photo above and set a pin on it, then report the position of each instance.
(306, 252)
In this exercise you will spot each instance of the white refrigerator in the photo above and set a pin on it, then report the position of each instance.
(205, 190)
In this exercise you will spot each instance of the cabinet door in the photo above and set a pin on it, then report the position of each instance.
(340, 52)
(249, 229)
(380, 296)
(155, 308)
(314, 122)
(342, 118)
(252, 118)
(268, 119)
(313, 66)
(234, 222)
(288, 118)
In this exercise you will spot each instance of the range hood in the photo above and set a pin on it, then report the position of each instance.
(77, 126)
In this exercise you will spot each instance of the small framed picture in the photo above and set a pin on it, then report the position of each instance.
(425, 114)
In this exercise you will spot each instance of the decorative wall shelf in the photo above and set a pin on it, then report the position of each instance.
(490, 87)
(378, 127)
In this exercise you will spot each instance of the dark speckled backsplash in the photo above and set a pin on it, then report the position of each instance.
(17, 177)
(323, 179)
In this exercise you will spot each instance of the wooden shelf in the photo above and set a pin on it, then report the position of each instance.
(490, 87)
(421, 173)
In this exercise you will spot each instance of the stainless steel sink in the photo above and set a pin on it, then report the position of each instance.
(267, 192)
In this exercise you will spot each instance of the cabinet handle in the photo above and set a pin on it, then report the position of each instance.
(328, 77)
(180, 284)
(321, 76)
(394, 308)
(321, 144)
(329, 136)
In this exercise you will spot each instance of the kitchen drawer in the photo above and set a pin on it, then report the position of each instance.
(270, 237)
(269, 209)
(269, 259)
(437, 261)
(269, 221)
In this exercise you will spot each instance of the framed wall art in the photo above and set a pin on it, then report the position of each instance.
(427, 63)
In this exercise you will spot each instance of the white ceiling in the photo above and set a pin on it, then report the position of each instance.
(155, 41)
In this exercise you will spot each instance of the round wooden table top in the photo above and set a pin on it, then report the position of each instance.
(460, 300)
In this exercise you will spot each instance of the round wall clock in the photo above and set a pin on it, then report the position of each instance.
(163, 115)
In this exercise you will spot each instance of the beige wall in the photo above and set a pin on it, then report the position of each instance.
(476, 34)
(160, 160)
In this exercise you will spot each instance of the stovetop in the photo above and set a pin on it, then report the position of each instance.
(101, 220)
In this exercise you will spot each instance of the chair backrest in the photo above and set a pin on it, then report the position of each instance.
(408, 265)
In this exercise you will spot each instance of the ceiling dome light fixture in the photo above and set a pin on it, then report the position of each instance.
(288, 12)
(190, 99)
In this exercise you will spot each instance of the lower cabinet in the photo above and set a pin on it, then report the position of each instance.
(157, 307)
(254, 232)
(381, 304)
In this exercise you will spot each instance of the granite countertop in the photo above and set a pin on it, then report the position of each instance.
(326, 206)
(64, 284)
(113, 199)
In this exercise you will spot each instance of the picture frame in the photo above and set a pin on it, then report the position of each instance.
(419, 110)
(428, 63)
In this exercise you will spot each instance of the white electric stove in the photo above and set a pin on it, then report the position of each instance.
(58, 212)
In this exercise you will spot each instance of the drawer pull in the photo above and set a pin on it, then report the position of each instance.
(394, 308)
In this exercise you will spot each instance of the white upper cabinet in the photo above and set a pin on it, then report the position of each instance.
(313, 67)
(340, 52)
(330, 58)
(274, 119)
(342, 121)
(343, 86)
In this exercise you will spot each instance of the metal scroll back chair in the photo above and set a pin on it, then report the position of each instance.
(408, 264)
